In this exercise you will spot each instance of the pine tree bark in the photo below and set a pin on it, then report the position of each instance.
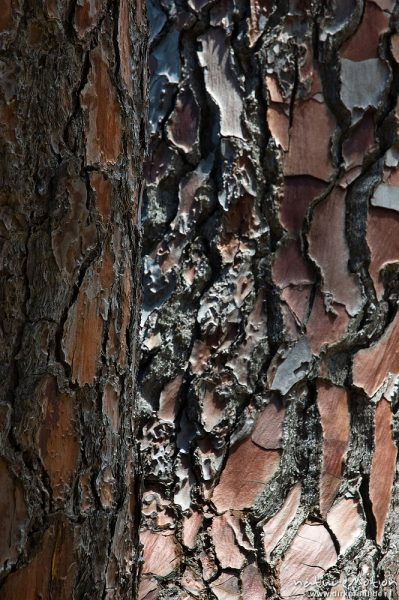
(269, 371)
(72, 110)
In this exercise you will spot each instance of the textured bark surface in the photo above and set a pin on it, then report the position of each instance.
(72, 113)
(269, 374)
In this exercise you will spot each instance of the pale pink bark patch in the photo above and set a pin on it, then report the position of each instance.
(147, 588)
(363, 44)
(248, 469)
(278, 124)
(236, 522)
(83, 328)
(102, 111)
(382, 467)
(192, 582)
(383, 241)
(160, 156)
(346, 522)
(191, 526)
(332, 402)
(372, 365)
(269, 426)
(297, 299)
(227, 551)
(329, 249)
(252, 584)
(360, 141)
(226, 587)
(298, 194)
(325, 328)
(310, 554)
(160, 552)
(291, 329)
(290, 266)
(309, 144)
(275, 528)
(184, 122)
(273, 88)
(168, 400)
(387, 5)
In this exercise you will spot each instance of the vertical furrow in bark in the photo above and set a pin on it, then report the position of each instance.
(72, 107)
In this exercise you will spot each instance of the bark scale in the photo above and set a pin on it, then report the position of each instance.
(72, 110)
(269, 371)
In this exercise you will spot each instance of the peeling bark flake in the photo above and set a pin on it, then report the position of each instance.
(161, 555)
(227, 551)
(383, 466)
(5, 14)
(372, 365)
(103, 114)
(309, 141)
(86, 317)
(57, 438)
(103, 189)
(310, 554)
(268, 431)
(332, 403)
(125, 50)
(275, 528)
(221, 82)
(363, 44)
(247, 472)
(383, 241)
(329, 248)
(346, 521)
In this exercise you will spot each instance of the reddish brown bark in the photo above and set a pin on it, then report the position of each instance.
(269, 371)
(72, 120)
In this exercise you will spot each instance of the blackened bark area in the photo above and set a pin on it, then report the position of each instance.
(72, 110)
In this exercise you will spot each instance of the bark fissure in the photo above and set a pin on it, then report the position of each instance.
(261, 408)
(71, 111)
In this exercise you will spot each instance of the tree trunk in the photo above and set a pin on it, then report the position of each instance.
(72, 121)
(269, 373)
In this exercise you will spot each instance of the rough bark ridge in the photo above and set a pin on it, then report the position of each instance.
(270, 366)
(72, 110)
